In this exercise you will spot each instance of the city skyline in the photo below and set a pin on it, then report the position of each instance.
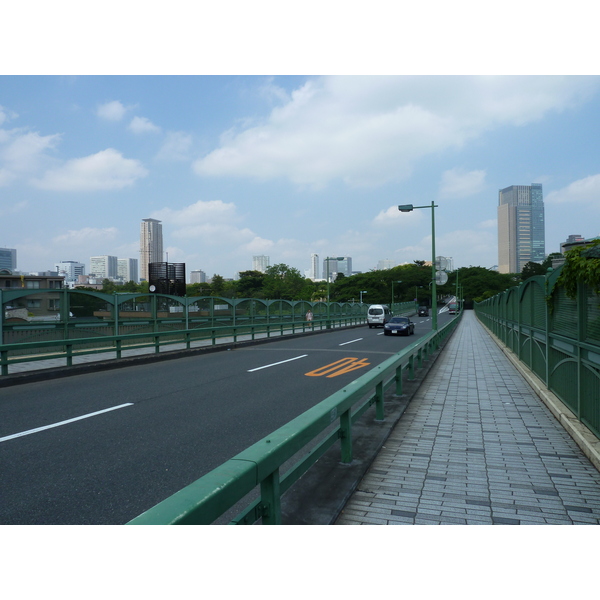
(289, 166)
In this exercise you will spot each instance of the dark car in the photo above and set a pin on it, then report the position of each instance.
(399, 326)
(423, 311)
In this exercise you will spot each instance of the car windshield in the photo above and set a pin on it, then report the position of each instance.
(375, 311)
(399, 320)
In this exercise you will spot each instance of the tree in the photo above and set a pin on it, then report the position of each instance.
(531, 269)
(250, 284)
(217, 285)
(285, 283)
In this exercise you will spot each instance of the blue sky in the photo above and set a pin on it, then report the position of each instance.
(289, 165)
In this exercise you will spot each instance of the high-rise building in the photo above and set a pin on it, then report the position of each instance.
(260, 263)
(127, 269)
(521, 231)
(8, 259)
(332, 266)
(385, 264)
(104, 267)
(314, 267)
(70, 270)
(151, 245)
(197, 277)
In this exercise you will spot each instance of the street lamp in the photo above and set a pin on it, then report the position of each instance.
(409, 208)
(361, 295)
(392, 305)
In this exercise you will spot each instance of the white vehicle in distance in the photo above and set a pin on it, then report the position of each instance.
(378, 315)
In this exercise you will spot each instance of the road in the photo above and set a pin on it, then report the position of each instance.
(100, 448)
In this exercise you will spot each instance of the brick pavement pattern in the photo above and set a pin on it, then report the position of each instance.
(476, 446)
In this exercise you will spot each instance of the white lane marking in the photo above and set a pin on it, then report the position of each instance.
(30, 431)
(351, 342)
(277, 363)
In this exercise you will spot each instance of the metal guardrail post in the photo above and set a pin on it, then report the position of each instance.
(271, 499)
(346, 436)
(379, 402)
(399, 380)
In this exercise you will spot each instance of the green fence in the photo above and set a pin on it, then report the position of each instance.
(302, 441)
(557, 337)
(122, 322)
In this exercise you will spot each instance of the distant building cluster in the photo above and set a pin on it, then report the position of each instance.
(521, 239)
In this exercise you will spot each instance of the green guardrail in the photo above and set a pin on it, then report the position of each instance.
(258, 467)
(68, 349)
(555, 336)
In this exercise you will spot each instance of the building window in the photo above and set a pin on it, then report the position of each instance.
(34, 303)
(32, 285)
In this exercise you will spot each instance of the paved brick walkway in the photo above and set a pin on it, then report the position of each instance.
(476, 446)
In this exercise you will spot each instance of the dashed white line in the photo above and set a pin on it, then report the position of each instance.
(277, 363)
(37, 429)
(351, 342)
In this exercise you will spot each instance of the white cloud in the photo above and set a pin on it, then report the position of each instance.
(457, 183)
(23, 151)
(143, 125)
(6, 177)
(6, 115)
(85, 236)
(111, 111)
(105, 170)
(176, 146)
(393, 217)
(371, 130)
(200, 213)
(584, 191)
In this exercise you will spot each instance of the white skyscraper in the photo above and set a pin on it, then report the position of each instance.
(70, 270)
(314, 267)
(151, 245)
(128, 269)
(260, 263)
(197, 277)
(104, 267)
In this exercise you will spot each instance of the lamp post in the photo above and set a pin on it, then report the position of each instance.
(328, 324)
(417, 294)
(409, 208)
(361, 295)
(392, 305)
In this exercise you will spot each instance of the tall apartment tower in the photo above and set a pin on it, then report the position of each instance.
(260, 263)
(521, 232)
(314, 267)
(151, 245)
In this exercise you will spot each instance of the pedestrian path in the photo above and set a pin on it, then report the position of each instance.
(476, 446)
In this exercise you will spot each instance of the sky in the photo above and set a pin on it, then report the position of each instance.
(286, 166)
(240, 162)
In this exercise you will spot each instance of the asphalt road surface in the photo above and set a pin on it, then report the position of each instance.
(101, 448)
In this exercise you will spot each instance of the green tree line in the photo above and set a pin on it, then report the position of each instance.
(406, 282)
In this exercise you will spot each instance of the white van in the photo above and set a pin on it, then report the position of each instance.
(378, 315)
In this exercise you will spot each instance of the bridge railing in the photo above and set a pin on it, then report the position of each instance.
(258, 468)
(68, 349)
(556, 336)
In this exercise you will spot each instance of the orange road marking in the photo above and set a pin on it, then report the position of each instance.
(344, 365)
